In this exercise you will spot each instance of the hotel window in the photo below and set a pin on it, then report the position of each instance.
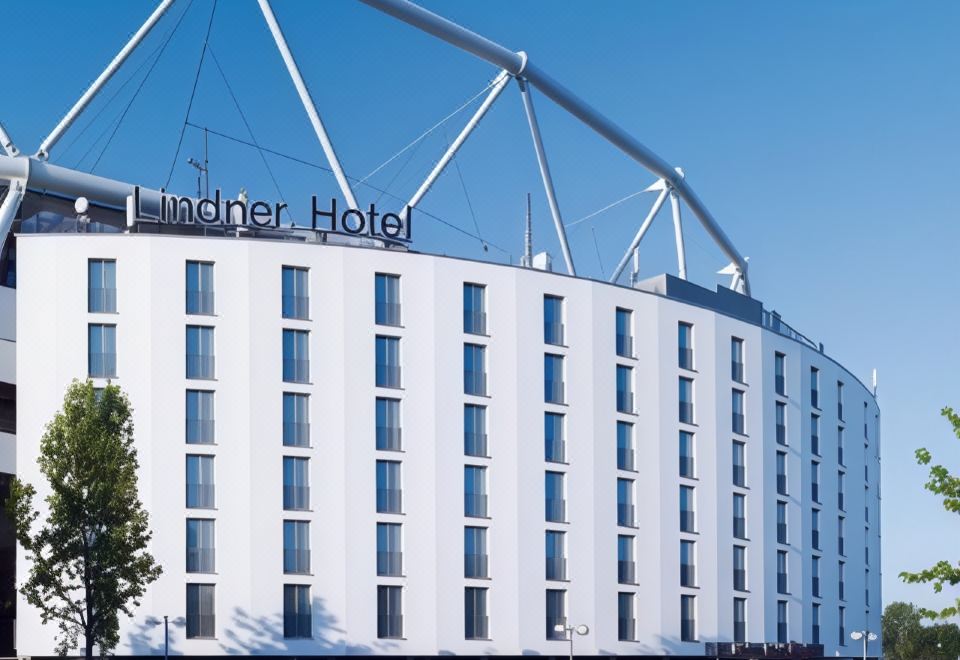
(296, 356)
(474, 430)
(688, 564)
(296, 546)
(840, 538)
(625, 510)
(815, 572)
(624, 389)
(840, 445)
(474, 309)
(782, 587)
(200, 425)
(199, 287)
(296, 612)
(781, 622)
(781, 473)
(626, 564)
(475, 552)
(840, 570)
(782, 522)
(200, 482)
(738, 419)
(102, 351)
(556, 613)
(626, 623)
(866, 589)
(553, 320)
(474, 370)
(686, 454)
(685, 345)
(552, 378)
(476, 624)
(625, 446)
(842, 620)
(8, 407)
(688, 619)
(389, 550)
(736, 359)
(201, 611)
(815, 528)
(102, 286)
(200, 359)
(739, 568)
(388, 487)
(296, 419)
(839, 400)
(387, 299)
(815, 434)
(739, 620)
(295, 297)
(781, 410)
(296, 483)
(780, 373)
(866, 437)
(200, 546)
(840, 502)
(815, 387)
(739, 464)
(388, 362)
(388, 424)
(687, 515)
(556, 555)
(815, 481)
(816, 623)
(474, 491)
(624, 333)
(553, 437)
(686, 400)
(556, 506)
(739, 516)
(389, 612)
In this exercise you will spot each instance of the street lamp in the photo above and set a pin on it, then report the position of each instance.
(866, 636)
(166, 634)
(580, 630)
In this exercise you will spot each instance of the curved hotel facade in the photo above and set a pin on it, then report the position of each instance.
(367, 450)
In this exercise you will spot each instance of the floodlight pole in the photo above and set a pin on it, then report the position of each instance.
(44, 151)
(657, 205)
(308, 103)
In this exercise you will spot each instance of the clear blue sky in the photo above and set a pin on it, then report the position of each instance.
(823, 135)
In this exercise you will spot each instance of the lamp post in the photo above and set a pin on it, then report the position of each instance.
(166, 634)
(866, 636)
(580, 630)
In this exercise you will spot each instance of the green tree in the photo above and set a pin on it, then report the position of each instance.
(88, 557)
(900, 625)
(940, 482)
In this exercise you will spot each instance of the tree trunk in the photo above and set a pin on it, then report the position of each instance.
(88, 654)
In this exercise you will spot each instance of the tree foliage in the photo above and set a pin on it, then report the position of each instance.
(906, 638)
(942, 483)
(88, 559)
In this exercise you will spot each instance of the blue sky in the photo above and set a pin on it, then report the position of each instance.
(823, 136)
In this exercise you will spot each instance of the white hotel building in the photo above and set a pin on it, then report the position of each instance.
(355, 450)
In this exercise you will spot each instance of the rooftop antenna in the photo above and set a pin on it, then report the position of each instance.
(527, 260)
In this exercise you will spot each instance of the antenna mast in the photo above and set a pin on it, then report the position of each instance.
(527, 260)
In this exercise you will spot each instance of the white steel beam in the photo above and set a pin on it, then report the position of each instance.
(545, 175)
(678, 232)
(44, 151)
(7, 143)
(657, 205)
(8, 210)
(308, 103)
(499, 84)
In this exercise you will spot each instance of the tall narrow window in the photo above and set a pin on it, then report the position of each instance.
(296, 356)
(200, 357)
(739, 464)
(685, 345)
(781, 622)
(200, 423)
(102, 351)
(624, 389)
(556, 506)
(553, 320)
(200, 482)
(476, 625)
(739, 620)
(475, 552)
(389, 612)
(782, 572)
(687, 519)
(389, 550)
(840, 482)
(625, 446)
(474, 430)
(840, 445)
(199, 287)
(815, 481)
(626, 562)
(387, 299)
(624, 332)
(815, 434)
(296, 483)
(815, 573)
(815, 529)
(296, 546)
(781, 473)
(556, 613)
(388, 361)
(388, 487)
(839, 400)
(200, 546)
(201, 612)
(625, 508)
(782, 522)
(739, 568)
(781, 412)
(739, 516)
(474, 370)
(780, 373)
(295, 298)
(474, 491)
(738, 420)
(686, 400)
(553, 378)
(296, 419)
(554, 450)
(688, 565)
(474, 309)
(686, 454)
(296, 612)
(842, 625)
(815, 387)
(736, 359)
(102, 286)
(688, 618)
(626, 623)
(840, 574)
(556, 555)
(388, 424)
(815, 616)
